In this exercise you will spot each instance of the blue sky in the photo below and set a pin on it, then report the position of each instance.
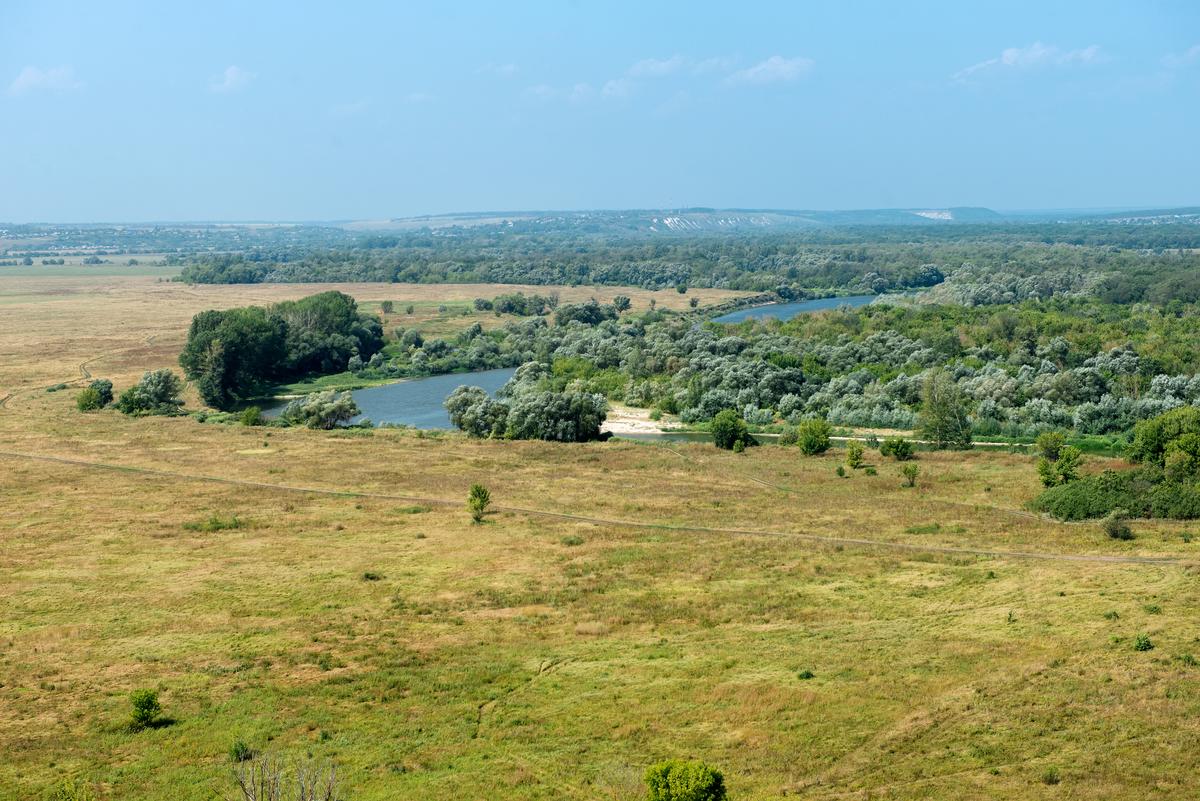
(242, 111)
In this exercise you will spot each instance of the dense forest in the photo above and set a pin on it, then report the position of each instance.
(983, 263)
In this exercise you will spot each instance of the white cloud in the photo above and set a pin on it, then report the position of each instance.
(231, 80)
(35, 79)
(657, 67)
(1035, 55)
(774, 70)
(1177, 60)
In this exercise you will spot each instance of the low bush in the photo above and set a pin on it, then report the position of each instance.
(251, 416)
(854, 454)
(1142, 642)
(677, 780)
(88, 400)
(729, 430)
(910, 473)
(813, 437)
(1116, 526)
(146, 709)
(898, 448)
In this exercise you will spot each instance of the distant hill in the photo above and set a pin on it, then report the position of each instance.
(690, 220)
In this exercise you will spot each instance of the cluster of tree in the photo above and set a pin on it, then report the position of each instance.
(519, 303)
(534, 404)
(159, 392)
(95, 395)
(984, 264)
(234, 354)
(1167, 450)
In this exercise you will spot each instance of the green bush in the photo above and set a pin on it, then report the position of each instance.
(854, 455)
(789, 436)
(157, 393)
(729, 429)
(1116, 526)
(898, 448)
(1049, 443)
(1142, 642)
(1151, 437)
(88, 400)
(146, 709)
(239, 751)
(813, 436)
(251, 416)
(910, 473)
(478, 500)
(72, 791)
(677, 780)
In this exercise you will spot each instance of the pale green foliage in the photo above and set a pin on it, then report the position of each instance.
(157, 393)
(813, 437)
(323, 410)
(854, 455)
(478, 500)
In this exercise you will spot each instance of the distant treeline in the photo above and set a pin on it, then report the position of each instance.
(1124, 264)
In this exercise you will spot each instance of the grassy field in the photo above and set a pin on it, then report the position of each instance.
(816, 637)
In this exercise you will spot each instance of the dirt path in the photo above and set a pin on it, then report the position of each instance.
(602, 521)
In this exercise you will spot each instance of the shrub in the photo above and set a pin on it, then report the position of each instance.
(72, 791)
(677, 780)
(478, 500)
(910, 473)
(806, 674)
(387, 306)
(1051, 776)
(789, 436)
(88, 400)
(1049, 443)
(739, 446)
(728, 429)
(251, 416)
(813, 437)
(146, 709)
(157, 393)
(1142, 642)
(898, 448)
(1064, 470)
(871, 471)
(239, 751)
(1151, 437)
(320, 410)
(1116, 525)
(854, 455)
(840, 470)
(215, 523)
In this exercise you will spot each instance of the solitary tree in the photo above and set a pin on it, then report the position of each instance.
(813, 437)
(146, 709)
(854, 455)
(478, 500)
(677, 780)
(944, 419)
(728, 429)
(910, 471)
(622, 303)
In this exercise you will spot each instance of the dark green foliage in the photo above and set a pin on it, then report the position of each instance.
(234, 354)
(215, 523)
(806, 675)
(557, 416)
(898, 448)
(146, 709)
(322, 410)
(590, 312)
(677, 780)
(622, 303)
(478, 500)
(1051, 776)
(1062, 470)
(387, 306)
(157, 393)
(251, 416)
(1142, 642)
(104, 391)
(728, 430)
(944, 420)
(813, 437)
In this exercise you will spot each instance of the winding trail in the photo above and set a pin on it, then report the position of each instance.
(603, 521)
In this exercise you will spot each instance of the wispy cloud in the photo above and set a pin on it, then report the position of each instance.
(775, 69)
(1034, 56)
(657, 67)
(1177, 60)
(53, 79)
(231, 80)
(500, 70)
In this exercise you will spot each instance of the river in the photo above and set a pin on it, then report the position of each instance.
(786, 311)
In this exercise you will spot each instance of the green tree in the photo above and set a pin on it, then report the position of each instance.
(478, 500)
(322, 410)
(677, 780)
(910, 472)
(387, 306)
(157, 393)
(728, 429)
(231, 354)
(622, 303)
(813, 437)
(88, 400)
(944, 421)
(1049, 443)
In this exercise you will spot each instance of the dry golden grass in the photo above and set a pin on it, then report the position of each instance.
(536, 657)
